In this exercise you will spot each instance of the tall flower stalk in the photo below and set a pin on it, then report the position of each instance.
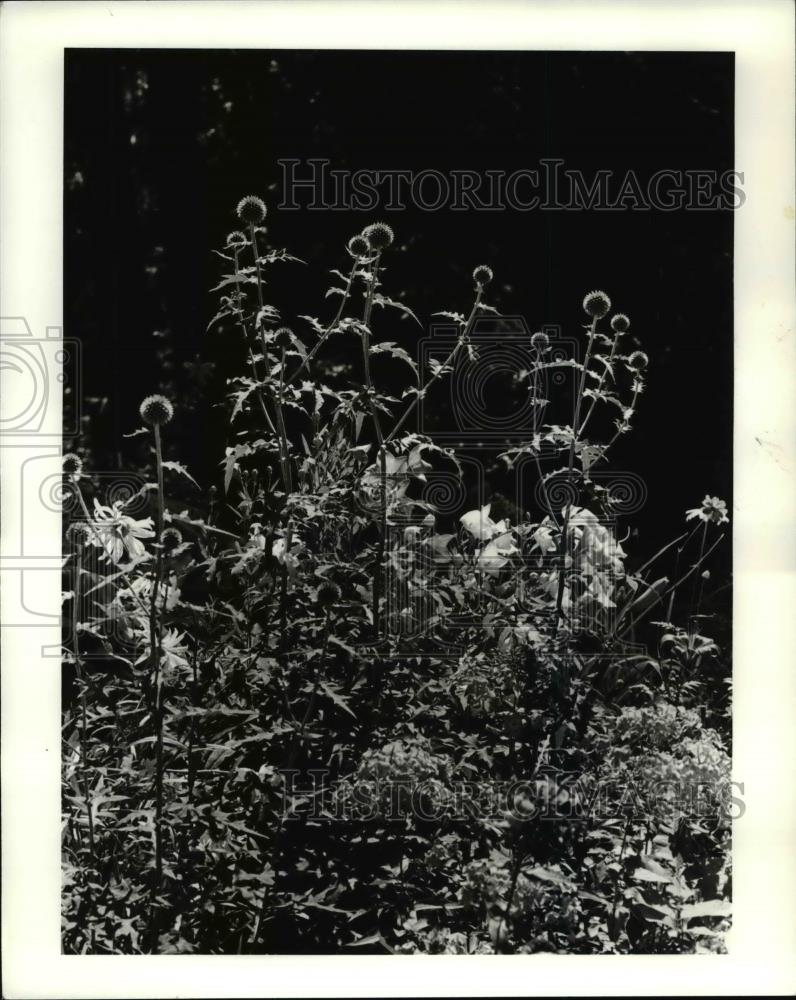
(157, 411)
(596, 305)
(252, 212)
(73, 467)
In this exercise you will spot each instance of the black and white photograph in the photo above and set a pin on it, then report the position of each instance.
(399, 500)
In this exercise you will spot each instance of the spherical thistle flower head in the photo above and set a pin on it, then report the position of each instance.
(77, 534)
(328, 594)
(379, 236)
(620, 323)
(236, 239)
(156, 410)
(170, 539)
(358, 246)
(283, 337)
(482, 275)
(251, 210)
(596, 304)
(638, 361)
(540, 341)
(72, 466)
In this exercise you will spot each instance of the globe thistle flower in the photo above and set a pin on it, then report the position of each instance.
(156, 410)
(482, 275)
(540, 341)
(379, 236)
(596, 304)
(251, 210)
(77, 534)
(72, 466)
(358, 246)
(328, 594)
(170, 539)
(283, 336)
(638, 361)
(236, 239)
(620, 323)
(712, 509)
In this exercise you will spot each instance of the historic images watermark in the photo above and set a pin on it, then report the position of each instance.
(560, 796)
(315, 185)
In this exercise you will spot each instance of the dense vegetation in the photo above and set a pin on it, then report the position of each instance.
(313, 708)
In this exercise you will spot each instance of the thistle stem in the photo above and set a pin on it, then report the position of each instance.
(570, 465)
(284, 459)
(536, 361)
(675, 585)
(701, 584)
(328, 331)
(248, 347)
(83, 713)
(599, 387)
(154, 645)
(448, 361)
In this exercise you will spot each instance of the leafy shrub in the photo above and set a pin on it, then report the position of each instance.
(303, 715)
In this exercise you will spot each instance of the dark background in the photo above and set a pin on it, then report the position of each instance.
(161, 144)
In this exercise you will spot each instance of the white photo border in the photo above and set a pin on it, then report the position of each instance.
(761, 959)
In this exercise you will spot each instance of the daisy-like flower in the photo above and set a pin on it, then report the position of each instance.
(156, 410)
(174, 654)
(482, 275)
(596, 304)
(72, 466)
(119, 534)
(712, 509)
(251, 210)
(379, 236)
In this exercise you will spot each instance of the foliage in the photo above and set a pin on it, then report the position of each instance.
(305, 717)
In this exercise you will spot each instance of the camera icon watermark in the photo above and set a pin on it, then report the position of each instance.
(32, 370)
(496, 390)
